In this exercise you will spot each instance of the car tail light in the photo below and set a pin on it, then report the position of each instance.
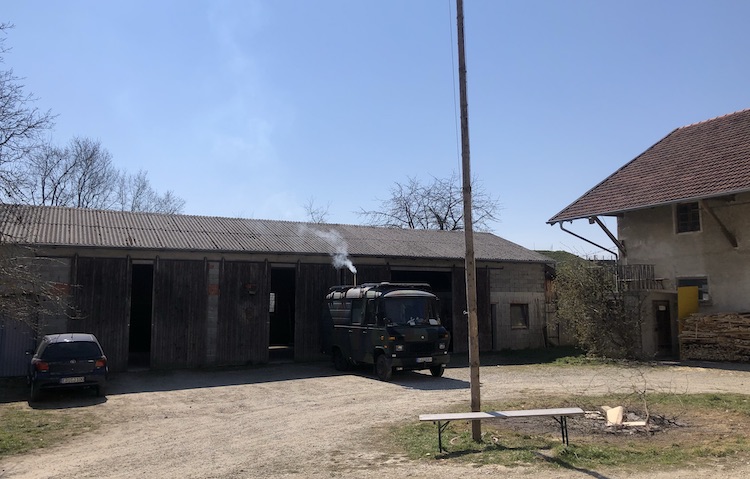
(41, 366)
(101, 362)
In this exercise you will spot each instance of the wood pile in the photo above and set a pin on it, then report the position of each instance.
(716, 337)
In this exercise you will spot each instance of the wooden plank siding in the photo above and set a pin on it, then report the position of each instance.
(460, 323)
(101, 294)
(178, 329)
(242, 326)
(484, 314)
(313, 281)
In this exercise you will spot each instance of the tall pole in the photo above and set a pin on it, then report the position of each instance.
(471, 272)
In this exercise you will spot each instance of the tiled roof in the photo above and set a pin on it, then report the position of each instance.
(698, 161)
(57, 226)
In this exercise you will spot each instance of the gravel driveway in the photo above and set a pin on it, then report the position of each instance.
(306, 420)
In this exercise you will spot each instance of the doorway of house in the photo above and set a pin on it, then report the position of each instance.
(141, 307)
(281, 322)
(663, 317)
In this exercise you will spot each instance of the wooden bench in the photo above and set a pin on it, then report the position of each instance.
(558, 414)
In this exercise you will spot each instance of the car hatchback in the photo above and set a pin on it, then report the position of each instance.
(68, 360)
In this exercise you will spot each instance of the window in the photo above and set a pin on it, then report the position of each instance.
(519, 316)
(701, 283)
(688, 217)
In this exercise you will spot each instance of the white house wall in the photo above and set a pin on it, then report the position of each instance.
(649, 237)
(518, 283)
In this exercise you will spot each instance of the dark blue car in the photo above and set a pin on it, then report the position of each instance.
(68, 360)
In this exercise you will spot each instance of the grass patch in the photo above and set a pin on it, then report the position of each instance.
(24, 429)
(686, 430)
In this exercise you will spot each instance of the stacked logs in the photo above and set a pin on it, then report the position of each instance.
(715, 337)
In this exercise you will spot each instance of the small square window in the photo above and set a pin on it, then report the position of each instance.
(519, 316)
(688, 217)
(701, 283)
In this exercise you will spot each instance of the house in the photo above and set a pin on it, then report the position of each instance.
(682, 209)
(179, 291)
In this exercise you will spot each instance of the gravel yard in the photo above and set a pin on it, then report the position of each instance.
(307, 420)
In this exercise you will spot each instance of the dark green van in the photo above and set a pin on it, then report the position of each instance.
(388, 325)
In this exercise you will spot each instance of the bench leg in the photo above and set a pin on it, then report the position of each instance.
(441, 428)
(563, 422)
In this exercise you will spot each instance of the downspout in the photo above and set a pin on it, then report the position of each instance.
(588, 241)
(618, 243)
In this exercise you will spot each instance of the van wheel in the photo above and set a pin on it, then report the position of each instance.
(383, 368)
(339, 361)
(35, 392)
(437, 371)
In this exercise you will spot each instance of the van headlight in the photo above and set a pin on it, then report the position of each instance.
(399, 348)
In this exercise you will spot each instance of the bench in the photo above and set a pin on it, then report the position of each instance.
(558, 414)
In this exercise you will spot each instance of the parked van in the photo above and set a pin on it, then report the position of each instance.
(388, 325)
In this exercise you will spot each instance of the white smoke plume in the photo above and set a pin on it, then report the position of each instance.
(340, 254)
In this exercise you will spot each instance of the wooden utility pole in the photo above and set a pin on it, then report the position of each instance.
(471, 271)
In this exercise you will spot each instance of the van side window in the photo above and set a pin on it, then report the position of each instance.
(340, 310)
(370, 318)
(357, 311)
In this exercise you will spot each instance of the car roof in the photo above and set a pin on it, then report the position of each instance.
(70, 337)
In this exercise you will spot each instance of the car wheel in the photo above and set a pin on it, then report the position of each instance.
(339, 361)
(101, 390)
(437, 371)
(35, 393)
(383, 368)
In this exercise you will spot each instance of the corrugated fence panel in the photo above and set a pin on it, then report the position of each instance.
(179, 325)
(242, 326)
(16, 337)
(313, 281)
(102, 296)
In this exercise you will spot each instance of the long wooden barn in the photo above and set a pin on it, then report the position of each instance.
(179, 291)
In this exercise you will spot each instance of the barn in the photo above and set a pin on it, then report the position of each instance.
(180, 291)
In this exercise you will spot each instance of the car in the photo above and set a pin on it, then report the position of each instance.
(68, 360)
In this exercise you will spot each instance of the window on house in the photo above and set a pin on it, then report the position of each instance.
(519, 316)
(688, 217)
(701, 283)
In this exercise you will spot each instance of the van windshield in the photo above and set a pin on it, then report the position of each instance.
(411, 311)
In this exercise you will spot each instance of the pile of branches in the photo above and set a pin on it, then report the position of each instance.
(716, 337)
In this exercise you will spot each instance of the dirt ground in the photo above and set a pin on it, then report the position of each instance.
(309, 421)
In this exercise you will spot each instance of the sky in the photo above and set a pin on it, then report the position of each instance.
(255, 108)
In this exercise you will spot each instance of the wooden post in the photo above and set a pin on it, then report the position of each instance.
(471, 273)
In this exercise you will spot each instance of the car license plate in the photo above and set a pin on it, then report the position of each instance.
(424, 360)
(73, 380)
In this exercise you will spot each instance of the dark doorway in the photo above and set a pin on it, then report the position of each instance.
(141, 302)
(441, 283)
(281, 327)
(663, 318)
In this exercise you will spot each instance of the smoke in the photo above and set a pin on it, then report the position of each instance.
(340, 254)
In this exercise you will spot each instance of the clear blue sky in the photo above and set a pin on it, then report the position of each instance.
(250, 108)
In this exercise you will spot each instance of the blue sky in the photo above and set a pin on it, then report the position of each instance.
(251, 108)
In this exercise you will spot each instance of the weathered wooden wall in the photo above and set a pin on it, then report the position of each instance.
(178, 328)
(101, 294)
(460, 323)
(313, 281)
(242, 327)
(484, 314)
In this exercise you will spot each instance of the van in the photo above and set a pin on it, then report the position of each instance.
(386, 325)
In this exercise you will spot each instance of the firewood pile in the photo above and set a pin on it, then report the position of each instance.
(716, 337)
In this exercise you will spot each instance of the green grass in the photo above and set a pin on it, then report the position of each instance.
(23, 429)
(697, 444)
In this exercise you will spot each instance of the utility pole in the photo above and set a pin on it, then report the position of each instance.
(470, 264)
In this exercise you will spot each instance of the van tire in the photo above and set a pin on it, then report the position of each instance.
(339, 361)
(35, 393)
(437, 371)
(383, 368)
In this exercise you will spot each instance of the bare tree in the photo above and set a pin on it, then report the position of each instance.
(134, 193)
(435, 206)
(316, 214)
(21, 126)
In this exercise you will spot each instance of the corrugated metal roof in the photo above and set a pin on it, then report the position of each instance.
(703, 160)
(58, 226)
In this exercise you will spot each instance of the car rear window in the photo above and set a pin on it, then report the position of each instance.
(74, 350)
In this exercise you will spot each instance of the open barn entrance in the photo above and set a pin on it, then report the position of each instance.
(141, 307)
(442, 285)
(281, 308)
